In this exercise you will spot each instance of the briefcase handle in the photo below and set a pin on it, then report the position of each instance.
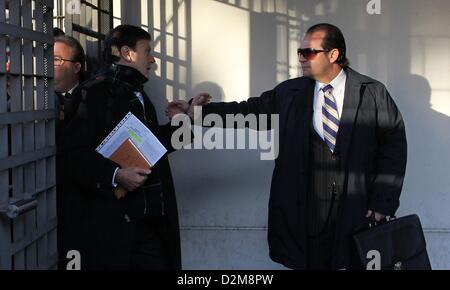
(373, 222)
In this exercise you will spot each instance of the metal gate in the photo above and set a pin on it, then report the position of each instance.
(27, 136)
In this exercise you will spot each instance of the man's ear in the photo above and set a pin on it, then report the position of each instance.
(125, 53)
(77, 68)
(334, 55)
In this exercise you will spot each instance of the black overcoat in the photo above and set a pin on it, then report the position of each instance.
(92, 220)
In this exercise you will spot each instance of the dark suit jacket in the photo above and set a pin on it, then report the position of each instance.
(373, 151)
(94, 221)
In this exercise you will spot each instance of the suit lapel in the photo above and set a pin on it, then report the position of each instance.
(351, 105)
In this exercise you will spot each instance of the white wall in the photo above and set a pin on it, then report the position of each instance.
(241, 49)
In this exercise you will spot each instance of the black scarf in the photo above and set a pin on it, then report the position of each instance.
(126, 75)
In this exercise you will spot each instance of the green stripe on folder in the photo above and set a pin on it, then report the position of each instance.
(134, 136)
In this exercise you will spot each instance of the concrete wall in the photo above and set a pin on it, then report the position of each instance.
(237, 49)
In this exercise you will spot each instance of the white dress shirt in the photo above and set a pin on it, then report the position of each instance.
(140, 97)
(338, 84)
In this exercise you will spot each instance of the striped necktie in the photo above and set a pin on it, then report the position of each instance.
(330, 118)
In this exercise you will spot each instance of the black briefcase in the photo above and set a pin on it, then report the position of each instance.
(398, 244)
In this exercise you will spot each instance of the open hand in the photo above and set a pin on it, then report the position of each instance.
(201, 99)
(176, 107)
(182, 107)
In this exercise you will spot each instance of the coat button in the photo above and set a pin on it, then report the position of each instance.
(127, 218)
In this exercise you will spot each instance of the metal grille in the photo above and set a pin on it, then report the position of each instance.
(27, 136)
(168, 23)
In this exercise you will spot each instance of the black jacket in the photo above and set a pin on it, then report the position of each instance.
(93, 221)
(373, 160)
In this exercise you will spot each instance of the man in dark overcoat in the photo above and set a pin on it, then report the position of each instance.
(138, 230)
(342, 155)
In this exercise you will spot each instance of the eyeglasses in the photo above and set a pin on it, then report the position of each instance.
(310, 53)
(58, 61)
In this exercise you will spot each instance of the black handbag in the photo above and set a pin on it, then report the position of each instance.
(399, 244)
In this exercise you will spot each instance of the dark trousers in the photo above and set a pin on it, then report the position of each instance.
(320, 251)
(150, 251)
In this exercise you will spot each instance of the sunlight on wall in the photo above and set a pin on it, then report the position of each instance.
(144, 13)
(168, 24)
(430, 51)
(225, 62)
(117, 12)
(432, 61)
(57, 11)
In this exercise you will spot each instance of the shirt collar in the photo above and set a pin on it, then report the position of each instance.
(72, 89)
(338, 80)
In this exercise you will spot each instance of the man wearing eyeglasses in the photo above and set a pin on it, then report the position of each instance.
(342, 155)
(68, 74)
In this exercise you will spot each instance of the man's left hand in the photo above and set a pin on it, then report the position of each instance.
(378, 216)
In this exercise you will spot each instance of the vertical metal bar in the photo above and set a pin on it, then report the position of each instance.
(163, 37)
(51, 205)
(68, 20)
(41, 165)
(176, 45)
(111, 15)
(43, 100)
(42, 245)
(17, 129)
(47, 205)
(5, 224)
(150, 18)
(188, 7)
(28, 142)
(50, 162)
(100, 30)
(2, 11)
(82, 21)
(41, 125)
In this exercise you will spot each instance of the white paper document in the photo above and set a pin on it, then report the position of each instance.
(132, 128)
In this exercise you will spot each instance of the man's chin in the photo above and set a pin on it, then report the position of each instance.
(307, 73)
